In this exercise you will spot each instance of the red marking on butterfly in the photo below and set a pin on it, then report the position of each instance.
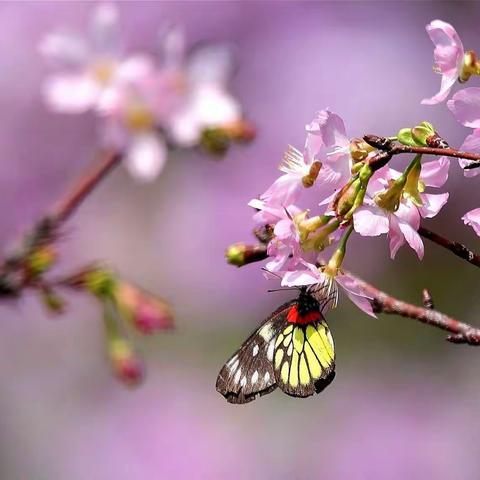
(294, 316)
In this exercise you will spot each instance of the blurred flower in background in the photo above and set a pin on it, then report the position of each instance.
(147, 103)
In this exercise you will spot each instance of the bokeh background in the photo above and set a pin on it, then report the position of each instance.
(405, 403)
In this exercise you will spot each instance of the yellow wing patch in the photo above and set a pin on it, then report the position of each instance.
(304, 358)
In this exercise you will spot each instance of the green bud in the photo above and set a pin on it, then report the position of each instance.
(215, 141)
(416, 136)
(347, 196)
(99, 282)
(40, 260)
(241, 254)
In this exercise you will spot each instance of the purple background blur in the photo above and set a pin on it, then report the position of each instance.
(405, 403)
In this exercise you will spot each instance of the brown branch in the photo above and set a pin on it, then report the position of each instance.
(384, 303)
(16, 271)
(392, 148)
(456, 248)
(75, 196)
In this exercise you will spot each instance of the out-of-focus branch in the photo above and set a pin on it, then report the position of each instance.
(84, 186)
(24, 267)
(384, 303)
(456, 248)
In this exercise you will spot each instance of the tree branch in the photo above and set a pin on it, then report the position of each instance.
(385, 303)
(16, 269)
(386, 145)
(84, 186)
(456, 248)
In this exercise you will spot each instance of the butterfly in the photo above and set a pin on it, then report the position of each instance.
(293, 349)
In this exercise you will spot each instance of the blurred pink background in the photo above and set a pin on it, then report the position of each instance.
(404, 404)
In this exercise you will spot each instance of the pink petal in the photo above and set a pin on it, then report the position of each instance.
(445, 87)
(211, 64)
(325, 131)
(71, 93)
(465, 106)
(408, 213)
(146, 156)
(370, 221)
(356, 294)
(435, 173)
(284, 191)
(472, 218)
(64, 48)
(104, 28)
(413, 238)
(448, 55)
(432, 204)
(396, 236)
(300, 277)
(470, 144)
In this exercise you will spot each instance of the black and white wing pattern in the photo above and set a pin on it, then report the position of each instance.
(249, 372)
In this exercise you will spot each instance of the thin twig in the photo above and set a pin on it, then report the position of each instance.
(75, 196)
(456, 248)
(385, 303)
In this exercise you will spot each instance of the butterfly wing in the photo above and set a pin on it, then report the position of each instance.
(304, 358)
(249, 372)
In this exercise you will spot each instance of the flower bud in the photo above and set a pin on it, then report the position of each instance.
(126, 364)
(215, 141)
(241, 254)
(422, 132)
(470, 66)
(346, 197)
(40, 260)
(416, 136)
(97, 281)
(53, 302)
(264, 233)
(146, 313)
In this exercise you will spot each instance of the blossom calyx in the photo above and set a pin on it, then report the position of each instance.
(389, 199)
(413, 185)
(359, 149)
(347, 196)
(40, 259)
(417, 136)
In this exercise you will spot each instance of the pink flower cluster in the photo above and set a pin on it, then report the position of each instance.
(146, 102)
(453, 62)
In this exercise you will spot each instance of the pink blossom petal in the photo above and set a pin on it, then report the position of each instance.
(71, 93)
(435, 173)
(104, 29)
(465, 106)
(472, 218)
(409, 213)
(470, 144)
(448, 55)
(432, 204)
(299, 278)
(64, 48)
(172, 43)
(370, 221)
(146, 156)
(413, 238)
(396, 236)
(445, 87)
(356, 294)
(284, 191)
(211, 64)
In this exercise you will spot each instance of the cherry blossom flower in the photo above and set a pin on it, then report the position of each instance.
(324, 162)
(89, 63)
(284, 247)
(448, 55)
(472, 218)
(399, 214)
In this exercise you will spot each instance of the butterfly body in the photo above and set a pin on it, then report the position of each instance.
(293, 350)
